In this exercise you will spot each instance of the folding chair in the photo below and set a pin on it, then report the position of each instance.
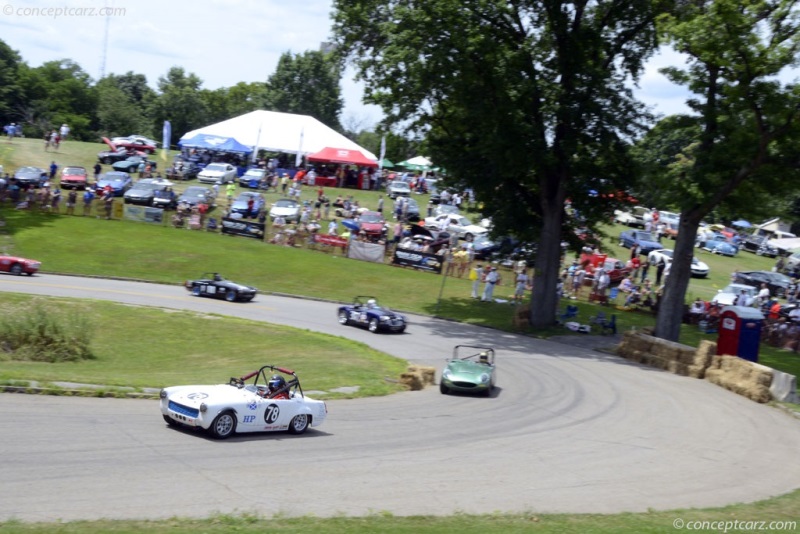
(612, 296)
(570, 312)
(609, 326)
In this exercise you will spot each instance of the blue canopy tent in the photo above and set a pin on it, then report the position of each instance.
(215, 142)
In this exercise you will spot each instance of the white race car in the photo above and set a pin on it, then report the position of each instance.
(269, 404)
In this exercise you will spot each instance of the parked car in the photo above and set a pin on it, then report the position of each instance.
(112, 156)
(183, 170)
(624, 217)
(668, 217)
(616, 269)
(727, 295)
(143, 192)
(646, 241)
(641, 215)
(270, 404)
(441, 209)
(365, 312)
(215, 286)
(197, 194)
(777, 283)
(372, 223)
(412, 210)
(17, 266)
(27, 176)
(74, 178)
(253, 178)
(398, 188)
(483, 247)
(217, 173)
(759, 244)
(793, 262)
(718, 244)
(165, 198)
(131, 164)
(670, 230)
(119, 182)
(699, 269)
(455, 224)
(287, 208)
(470, 370)
(240, 205)
(133, 142)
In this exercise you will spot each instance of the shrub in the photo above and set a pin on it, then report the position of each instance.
(41, 332)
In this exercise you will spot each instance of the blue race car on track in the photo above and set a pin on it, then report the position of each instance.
(365, 311)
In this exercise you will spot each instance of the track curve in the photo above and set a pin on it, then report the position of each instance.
(568, 430)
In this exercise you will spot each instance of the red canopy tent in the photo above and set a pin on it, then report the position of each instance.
(343, 156)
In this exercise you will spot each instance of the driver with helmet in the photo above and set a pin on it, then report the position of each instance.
(484, 358)
(372, 303)
(276, 383)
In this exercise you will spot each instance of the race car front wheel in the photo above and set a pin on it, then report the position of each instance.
(223, 426)
(196, 291)
(299, 424)
(343, 317)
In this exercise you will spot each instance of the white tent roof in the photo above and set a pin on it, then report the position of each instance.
(280, 132)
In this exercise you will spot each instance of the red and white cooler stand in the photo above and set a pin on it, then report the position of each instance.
(740, 332)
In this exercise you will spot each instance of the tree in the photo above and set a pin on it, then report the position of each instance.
(527, 102)
(117, 113)
(307, 84)
(180, 102)
(746, 128)
(11, 95)
(59, 92)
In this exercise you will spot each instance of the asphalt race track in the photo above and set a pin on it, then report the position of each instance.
(568, 430)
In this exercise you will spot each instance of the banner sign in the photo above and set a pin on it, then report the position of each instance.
(243, 228)
(143, 214)
(423, 261)
(332, 240)
(366, 251)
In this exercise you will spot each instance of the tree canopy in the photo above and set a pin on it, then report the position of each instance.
(527, 102)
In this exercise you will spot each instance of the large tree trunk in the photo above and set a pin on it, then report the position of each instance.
(544, 300)
(670, 310)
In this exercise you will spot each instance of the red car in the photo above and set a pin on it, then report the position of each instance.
(137, 143)
(74, 178)
(615, 268)
(17, 266)
(372, 223)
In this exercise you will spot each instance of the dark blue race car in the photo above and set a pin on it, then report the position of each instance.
(365, 312)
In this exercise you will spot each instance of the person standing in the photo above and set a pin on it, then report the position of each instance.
(64, 131)
(108, 203)
(53, 170)
(522, 284)
(72, 199)
(380, 204)
(88, 197)
(492, 279)
(97, 170)
(660, 266)
(476, 275)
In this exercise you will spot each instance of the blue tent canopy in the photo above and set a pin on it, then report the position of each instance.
(215, 142)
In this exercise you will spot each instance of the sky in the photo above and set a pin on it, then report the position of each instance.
(223, 42)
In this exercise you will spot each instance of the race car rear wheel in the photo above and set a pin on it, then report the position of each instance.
(230, 296)
(196, 291)
(299, 424)
(343, 318)
(223, 426)
(373, 325)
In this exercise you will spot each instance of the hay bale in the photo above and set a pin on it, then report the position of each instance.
(743, 377)
(427, 374)
(412, 381)
(705, 353)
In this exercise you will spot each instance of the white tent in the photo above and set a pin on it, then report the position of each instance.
(280, 132)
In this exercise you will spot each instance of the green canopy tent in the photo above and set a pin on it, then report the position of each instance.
(386, 164)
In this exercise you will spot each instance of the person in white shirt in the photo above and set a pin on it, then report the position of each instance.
(522, 283)
(492, 278)
(763, 294)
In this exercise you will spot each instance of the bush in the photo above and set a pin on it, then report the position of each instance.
(42, 333)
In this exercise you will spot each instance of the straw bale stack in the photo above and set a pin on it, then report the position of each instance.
(741, 376)
(427, 374)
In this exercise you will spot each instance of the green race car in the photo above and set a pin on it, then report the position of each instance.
(470, 370)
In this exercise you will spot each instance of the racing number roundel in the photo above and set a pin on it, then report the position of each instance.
(271, 414)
